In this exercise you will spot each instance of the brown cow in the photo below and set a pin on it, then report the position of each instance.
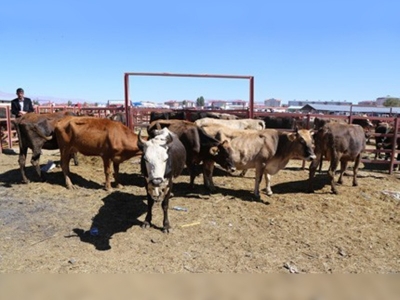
(110, 140)
(36, 131)
(268, 150)
(338, 142)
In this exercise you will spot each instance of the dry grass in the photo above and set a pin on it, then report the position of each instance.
(44, 226)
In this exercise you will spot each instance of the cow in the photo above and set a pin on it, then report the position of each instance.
(194, 116)
(381, 128)
(178, 115)
(112, 141)
(273, 122)
(235, 124)
(268, 150)
(200, 147)
(390, 143)
(338, 142)
(118, 117)
(36, 131)
(163, 159)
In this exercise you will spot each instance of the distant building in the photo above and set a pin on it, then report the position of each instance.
(223, 104)
(305, 102)
(381, 100)
(180, 104)
(273, 102)
(367, 103)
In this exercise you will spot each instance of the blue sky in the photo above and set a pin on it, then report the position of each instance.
(304, 50)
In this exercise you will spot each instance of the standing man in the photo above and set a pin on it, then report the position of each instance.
(21, 105)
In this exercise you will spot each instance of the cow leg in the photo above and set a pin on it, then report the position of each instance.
(22, 160)
(343, 168)
(259, 173)
(149, 216)
(164, 205)
(192, 172)
(313, 167)
(65, 157)
(320, 164)
(208, 169)
(107, 172)
(268, 183)
(116, 174)
(35, 162)
(243, 173)
(331, 172)
(75, 157)
(355, 169)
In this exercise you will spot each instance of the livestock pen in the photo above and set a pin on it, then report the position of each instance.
(141, 116)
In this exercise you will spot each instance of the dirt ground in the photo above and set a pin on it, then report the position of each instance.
(45, 227)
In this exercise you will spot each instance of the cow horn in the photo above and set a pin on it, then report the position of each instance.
(140, 140)
(169, 138)
(158, 126)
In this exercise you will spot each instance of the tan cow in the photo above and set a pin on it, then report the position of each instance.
(267, 151)
(235, 124)
(110, 140)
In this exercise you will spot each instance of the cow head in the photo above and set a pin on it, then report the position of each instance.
(302, 142)
(222, 155)
(156, 165)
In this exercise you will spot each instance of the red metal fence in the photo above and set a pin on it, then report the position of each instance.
(141, 116)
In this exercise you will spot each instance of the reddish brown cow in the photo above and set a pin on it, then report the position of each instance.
(110, 140)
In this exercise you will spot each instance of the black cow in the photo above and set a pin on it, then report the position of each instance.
(175, 115)
(272, 122)
(200, 147)
(163, 158)
(36, 131)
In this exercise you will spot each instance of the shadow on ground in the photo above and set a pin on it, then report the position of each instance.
(119, 213)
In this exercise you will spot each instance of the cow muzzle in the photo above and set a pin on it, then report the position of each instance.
(158, 193)
(156, 182)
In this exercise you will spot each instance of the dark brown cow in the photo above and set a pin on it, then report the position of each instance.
(36, 131)
(338, 142)
(199, 147)
(110, 140)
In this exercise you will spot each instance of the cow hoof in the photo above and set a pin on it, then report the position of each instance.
(340, 182)
(146, 225)
(335, 192)
(25, 181)
(355, 184)
(119, 186)
(165, 230)
(269, 193)
(71, 187)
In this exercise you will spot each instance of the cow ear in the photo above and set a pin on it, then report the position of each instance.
(292, 136)
(214, 150)
(225, 143)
